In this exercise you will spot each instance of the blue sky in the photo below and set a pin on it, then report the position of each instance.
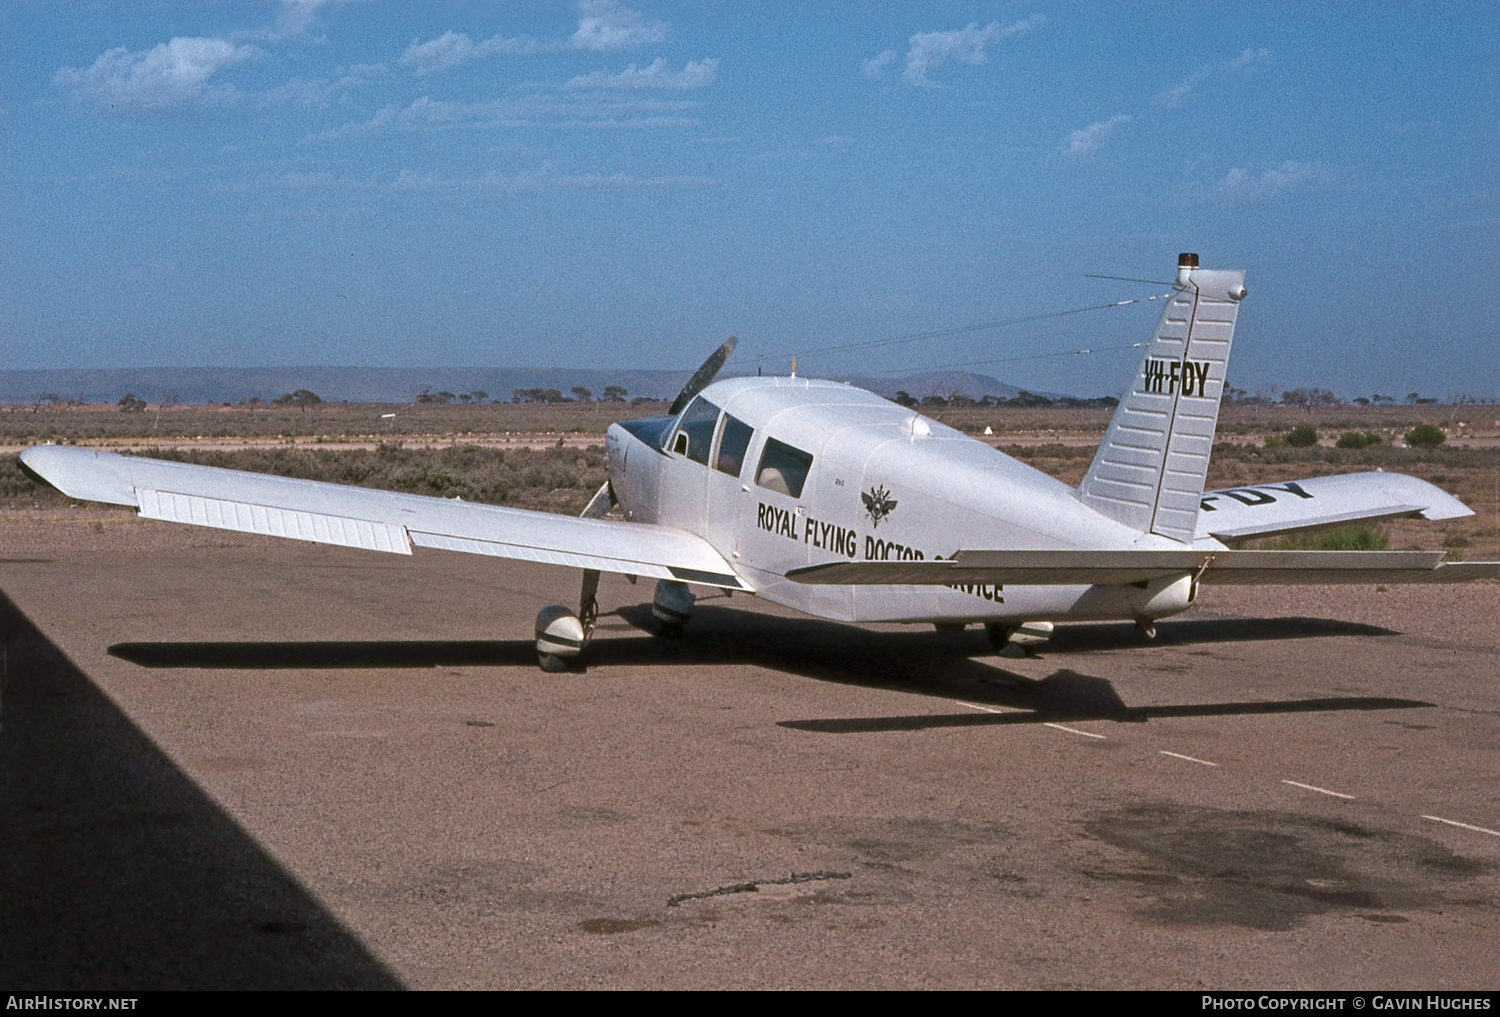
(624, 185)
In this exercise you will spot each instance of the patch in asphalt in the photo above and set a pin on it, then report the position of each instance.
(1273, 870)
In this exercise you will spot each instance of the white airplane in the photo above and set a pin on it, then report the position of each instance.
(831, 500)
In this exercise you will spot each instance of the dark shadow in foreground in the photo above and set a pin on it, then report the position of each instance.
(918, 661)
(119, 873)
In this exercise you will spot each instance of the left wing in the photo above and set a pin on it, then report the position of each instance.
(1120, 568)
(374, 520)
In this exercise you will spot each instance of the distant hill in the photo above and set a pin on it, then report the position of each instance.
(203, 385)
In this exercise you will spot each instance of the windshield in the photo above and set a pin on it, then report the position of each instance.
(695, 430)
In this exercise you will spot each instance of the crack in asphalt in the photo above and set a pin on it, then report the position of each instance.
(796, 877)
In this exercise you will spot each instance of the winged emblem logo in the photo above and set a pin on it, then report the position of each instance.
(878, 504)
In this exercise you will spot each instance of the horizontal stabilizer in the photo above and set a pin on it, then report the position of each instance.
(1122, 568)
(1267, 510)
(374, 520)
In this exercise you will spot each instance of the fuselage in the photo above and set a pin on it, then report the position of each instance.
(780, 473)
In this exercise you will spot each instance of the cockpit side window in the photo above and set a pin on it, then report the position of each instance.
(695, 431)
(733, 442)
(782, 468)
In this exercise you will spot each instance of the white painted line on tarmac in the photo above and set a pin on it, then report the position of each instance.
(1319, 790)
(1466, 826)
(1190, 759)
(1074, 730)
(989, 709)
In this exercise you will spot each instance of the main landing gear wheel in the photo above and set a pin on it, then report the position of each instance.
(559, 637)
(562, 635)
(1018, 640)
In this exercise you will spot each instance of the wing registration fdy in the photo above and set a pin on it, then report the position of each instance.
(833, 501)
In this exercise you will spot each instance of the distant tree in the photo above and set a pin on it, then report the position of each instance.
(479, 395)
(1025, 398)
(614, 394)
(905, 399)
(1310, 397)
(582, 394)
(1426, 436)
(537, 395)
(1360, 401)
(302, 399)
(130, 404)
(1412, 398)
(960, 401)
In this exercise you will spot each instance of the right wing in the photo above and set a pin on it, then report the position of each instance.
(1267, 510)
(374, 520)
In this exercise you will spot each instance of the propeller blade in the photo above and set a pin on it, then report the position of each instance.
(705, 374)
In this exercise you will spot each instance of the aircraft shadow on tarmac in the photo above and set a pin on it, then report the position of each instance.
(120, 873)
(922, 662)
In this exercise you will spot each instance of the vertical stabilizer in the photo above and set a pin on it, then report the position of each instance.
(1149, 471)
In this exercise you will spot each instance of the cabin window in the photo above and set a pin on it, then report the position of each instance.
(732, 445)
(782, 468)
(695, 431)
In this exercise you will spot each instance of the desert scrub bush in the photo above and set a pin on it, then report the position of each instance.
(1302, 436)
(1357, 439)
(1426, 436)
(17, 490)
(515, 477)
(1362, 537)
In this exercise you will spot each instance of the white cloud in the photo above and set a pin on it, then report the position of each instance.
(169, 75)
(1085, 143)
(695, 74)
(603, 26)
(453, 48)
(578, 109)
(965, 45)
(1240, 185)
(606, 25)
(294, 18)
(876, 65)
(1250, 58)
(1172, 97)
